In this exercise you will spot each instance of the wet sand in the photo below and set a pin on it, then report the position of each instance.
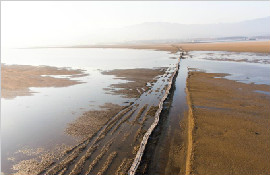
(17, 79)
(228, 126)
(244, 46)
(91, 121)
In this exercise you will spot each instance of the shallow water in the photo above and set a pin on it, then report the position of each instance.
(246, 72)
(249, 57)
(40, 120)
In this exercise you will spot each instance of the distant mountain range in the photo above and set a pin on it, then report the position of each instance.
(176, 31)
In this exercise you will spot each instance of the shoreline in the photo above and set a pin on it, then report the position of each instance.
(237, 46)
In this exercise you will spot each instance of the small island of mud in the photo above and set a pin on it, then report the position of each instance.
(17, 79)
(136, 83)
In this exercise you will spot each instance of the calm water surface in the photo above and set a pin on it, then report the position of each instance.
(247, 72)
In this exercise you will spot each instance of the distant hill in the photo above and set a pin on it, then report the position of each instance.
(175, 31)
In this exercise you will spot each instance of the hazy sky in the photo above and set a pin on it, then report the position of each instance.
(63, 23)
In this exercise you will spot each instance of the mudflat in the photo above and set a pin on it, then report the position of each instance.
(229, 126)
(17, 79)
